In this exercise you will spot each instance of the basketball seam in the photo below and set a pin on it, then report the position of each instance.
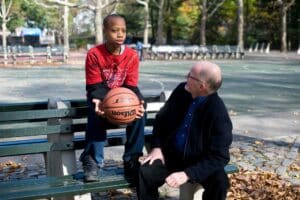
(105, 98)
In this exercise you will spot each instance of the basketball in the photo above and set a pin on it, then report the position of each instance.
(120, 105)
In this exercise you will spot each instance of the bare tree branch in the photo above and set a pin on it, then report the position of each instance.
(290, 4)
(38, 2)
(215, 9)
(63, 3)
(144, 3)
(8, 8)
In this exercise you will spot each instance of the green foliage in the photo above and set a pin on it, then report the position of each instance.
(42, 17)
(185, 19)
(134, 15)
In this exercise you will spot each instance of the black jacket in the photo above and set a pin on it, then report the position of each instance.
(209, 138)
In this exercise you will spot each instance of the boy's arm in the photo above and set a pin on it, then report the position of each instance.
(132, 78)
(95, 86)
(97, 91)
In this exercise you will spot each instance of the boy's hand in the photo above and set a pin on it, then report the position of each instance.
(140, 111)
(98, 107)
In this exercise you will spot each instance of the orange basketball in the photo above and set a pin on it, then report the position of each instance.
(120, 105)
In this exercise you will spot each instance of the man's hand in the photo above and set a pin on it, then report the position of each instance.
(140, 111)
(98, 107)
(177, 179)
(155, 154)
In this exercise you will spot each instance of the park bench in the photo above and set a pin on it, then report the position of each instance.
(31, 55)
(56, 130)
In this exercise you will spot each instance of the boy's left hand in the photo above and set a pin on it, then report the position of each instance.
(140, 111)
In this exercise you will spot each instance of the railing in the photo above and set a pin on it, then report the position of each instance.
(32, 55)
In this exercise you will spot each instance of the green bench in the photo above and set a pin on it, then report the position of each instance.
(56, 129)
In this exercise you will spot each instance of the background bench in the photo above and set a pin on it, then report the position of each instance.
(59, 126)
(31, 55)
(169, 52)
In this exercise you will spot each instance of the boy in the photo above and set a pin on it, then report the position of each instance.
(108, 66)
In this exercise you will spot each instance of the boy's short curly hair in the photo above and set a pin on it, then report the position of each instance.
(108, 17)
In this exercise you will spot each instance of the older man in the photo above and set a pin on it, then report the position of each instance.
(191, 138)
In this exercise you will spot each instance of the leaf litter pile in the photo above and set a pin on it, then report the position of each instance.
(261, 185)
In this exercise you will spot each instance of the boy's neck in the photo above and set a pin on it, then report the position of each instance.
(113, 49)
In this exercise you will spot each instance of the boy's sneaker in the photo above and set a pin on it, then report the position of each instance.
(90, 169)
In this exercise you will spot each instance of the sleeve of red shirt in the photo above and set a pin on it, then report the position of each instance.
(92, 70)
(132, 77)
(95, 86)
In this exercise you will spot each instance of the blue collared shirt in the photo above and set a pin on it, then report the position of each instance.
(183, 131)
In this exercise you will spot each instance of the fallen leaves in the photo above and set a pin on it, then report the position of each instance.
(260, 185)
(9, 166)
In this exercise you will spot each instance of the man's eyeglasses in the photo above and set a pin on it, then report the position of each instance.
(192, 77)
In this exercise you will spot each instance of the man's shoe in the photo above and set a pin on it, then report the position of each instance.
(131, 171)
(90, 169)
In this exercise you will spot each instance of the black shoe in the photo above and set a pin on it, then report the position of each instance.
(131, 171)
(90, 169)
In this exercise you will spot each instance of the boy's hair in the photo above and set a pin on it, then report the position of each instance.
(108, 17)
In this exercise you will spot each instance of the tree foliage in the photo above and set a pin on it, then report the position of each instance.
(181, 24)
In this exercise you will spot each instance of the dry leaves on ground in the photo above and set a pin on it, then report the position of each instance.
(260, 185)
(9, 166)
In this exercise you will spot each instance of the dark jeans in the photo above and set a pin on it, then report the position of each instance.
(96, 136)
(151, 177)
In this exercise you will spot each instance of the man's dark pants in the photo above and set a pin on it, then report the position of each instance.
(151, 177)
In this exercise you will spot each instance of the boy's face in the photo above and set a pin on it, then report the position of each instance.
(115, 31)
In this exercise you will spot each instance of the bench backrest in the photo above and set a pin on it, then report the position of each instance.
(25, 127)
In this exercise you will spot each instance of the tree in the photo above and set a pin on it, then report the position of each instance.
(66, 7)
(5, 9)
(182, 21)
(160, 20)
(145, 3)
(284, 7)
(208, 9)
(97, 7)
(240, 15)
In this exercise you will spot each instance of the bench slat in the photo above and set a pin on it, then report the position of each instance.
(57, 186)
(41, 130)
(42, 114)
(11, 150)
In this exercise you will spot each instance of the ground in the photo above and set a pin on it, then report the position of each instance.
(261, 92)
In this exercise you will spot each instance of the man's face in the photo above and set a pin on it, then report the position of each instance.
(193, 83)
(115, 32)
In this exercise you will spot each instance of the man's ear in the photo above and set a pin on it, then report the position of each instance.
(203, 87)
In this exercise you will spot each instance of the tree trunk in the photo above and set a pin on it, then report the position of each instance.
(283, 28)
(98, 22)
(241, 25)
(145, 3)
(4, 43)
(203, 23)
(146, 24)
(159, 33)
(66, 29)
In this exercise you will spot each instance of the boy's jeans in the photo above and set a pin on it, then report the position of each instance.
(96, 136)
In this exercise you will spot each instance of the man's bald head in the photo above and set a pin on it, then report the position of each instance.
(210, 73)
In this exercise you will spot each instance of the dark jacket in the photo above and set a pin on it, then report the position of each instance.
(209, 138)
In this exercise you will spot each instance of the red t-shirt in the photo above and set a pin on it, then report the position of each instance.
(115, 70)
